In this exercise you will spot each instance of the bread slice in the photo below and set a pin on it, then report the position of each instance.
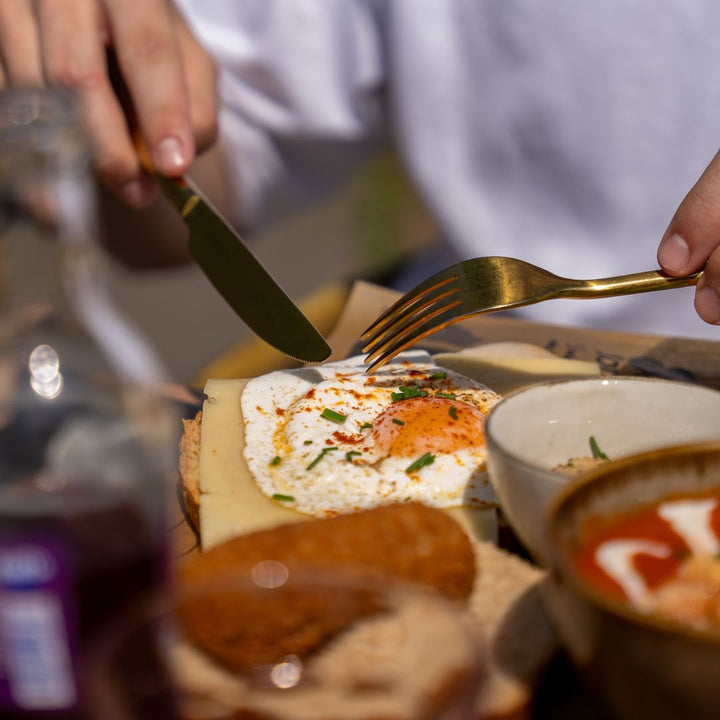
(360, 666)
(189, 468)
(315, 579)
(409, 662)
(506, 617)
(505, 607)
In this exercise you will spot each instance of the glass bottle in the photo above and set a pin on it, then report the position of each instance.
(86, 442)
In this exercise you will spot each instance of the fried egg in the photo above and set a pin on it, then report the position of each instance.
(332, 438)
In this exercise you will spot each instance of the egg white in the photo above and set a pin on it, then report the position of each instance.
(287, 439)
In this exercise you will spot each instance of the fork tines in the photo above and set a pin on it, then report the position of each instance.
(423, 310)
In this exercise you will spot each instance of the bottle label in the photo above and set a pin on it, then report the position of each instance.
(37, 658)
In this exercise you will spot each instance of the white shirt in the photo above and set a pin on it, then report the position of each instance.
(561, 132)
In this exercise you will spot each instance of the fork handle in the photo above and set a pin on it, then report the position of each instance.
(628, 284)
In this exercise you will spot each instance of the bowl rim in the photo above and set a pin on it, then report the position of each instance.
(559, 566)
(492, 439)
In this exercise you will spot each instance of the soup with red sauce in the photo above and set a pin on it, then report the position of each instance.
(662, 558)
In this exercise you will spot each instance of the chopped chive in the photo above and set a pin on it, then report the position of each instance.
(365, 425)
(350, 454)
(453, 412)
(421, 462)
(276, 460)
(308, 442)
(329, 414)
(322, 454)
(447, 396)
(397, 421)
(438, 376)
(283, 498)
(407, 392)
(596, 451)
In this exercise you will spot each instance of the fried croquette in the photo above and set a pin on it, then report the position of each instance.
(260, 597)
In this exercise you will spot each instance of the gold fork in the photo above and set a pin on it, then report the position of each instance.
(484, 285)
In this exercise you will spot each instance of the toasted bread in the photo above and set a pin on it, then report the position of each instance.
(504, 606)
(306, 621)
(409, 662)
(327, 568)
(189, 468)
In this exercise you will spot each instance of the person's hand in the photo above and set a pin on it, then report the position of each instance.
(170, 79)
(692, 241)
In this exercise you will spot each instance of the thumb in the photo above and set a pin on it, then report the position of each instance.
(692, 240)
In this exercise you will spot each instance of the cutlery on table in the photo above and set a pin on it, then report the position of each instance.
(240, 277)
(484, 285)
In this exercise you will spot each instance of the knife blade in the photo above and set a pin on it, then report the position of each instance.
(223, 256)
(241, 278)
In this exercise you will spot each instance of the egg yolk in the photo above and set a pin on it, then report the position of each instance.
(413, 427)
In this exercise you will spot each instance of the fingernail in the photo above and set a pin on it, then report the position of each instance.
(170, 156)
(707, 304)
(674, 253)
(136, 193)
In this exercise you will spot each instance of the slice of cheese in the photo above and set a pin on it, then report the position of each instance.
(508, 366)
(230, 501)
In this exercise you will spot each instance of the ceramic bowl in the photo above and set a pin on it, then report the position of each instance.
(642, 666)
(533, 430)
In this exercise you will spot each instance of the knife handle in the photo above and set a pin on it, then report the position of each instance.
(177, 190)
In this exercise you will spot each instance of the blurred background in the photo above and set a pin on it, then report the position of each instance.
(367, 230)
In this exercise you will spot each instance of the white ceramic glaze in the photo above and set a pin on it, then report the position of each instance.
(535, 429)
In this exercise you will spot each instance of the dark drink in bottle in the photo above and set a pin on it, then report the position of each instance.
(86, 442)
(71, 578)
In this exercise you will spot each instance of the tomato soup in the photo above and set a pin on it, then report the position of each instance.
(662, 558)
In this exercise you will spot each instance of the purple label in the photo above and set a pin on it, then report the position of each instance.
(37, 656)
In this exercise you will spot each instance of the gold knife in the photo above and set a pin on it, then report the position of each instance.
(226, 261)
(240, 277)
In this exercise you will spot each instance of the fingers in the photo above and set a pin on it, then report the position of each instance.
(20, 44)
(151, 65)
(692, 241)
(80, 66)
(169, 77)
